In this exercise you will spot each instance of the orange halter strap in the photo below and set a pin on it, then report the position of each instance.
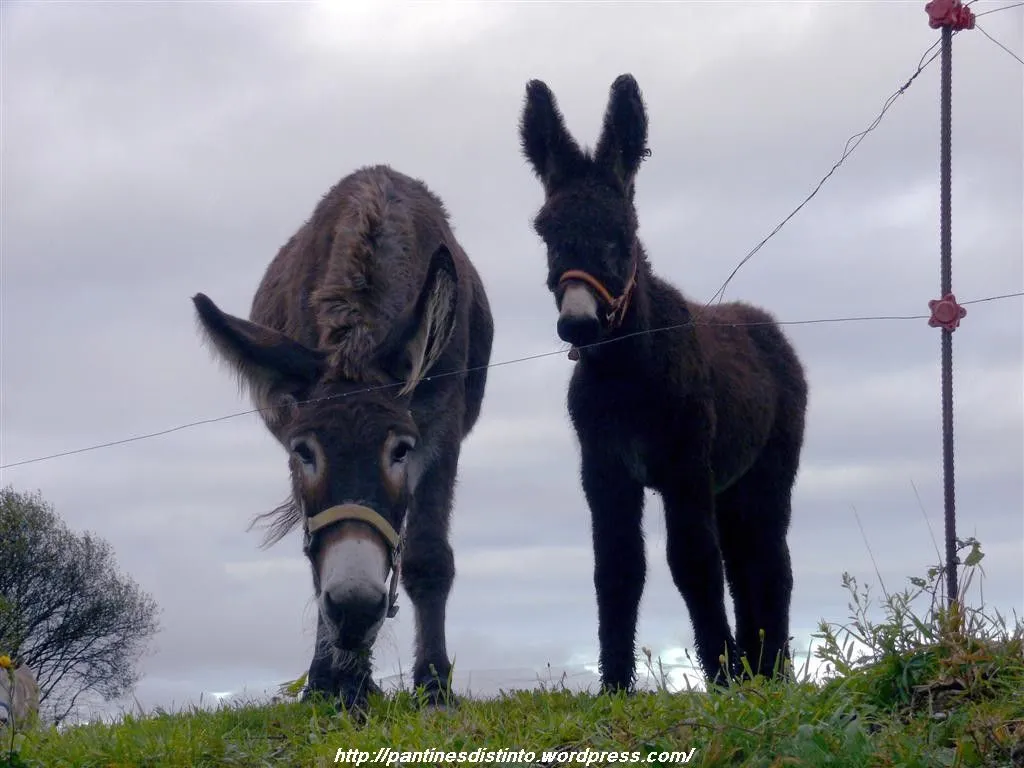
(617, 305)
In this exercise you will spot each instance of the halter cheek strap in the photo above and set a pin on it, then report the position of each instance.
(617, 305)
(372, 518)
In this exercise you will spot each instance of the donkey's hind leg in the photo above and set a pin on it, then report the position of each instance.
(753, 521)
(428, 571)
(695, 561)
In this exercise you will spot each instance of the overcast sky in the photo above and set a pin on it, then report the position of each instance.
(154, 150)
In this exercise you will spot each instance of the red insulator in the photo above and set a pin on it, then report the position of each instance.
(949, 13)
(946, 313)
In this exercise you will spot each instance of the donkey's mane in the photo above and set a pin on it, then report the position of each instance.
(371, 239)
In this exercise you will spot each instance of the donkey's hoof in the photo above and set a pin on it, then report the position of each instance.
(316, 695)
(438, 697)
(722, 682)
(354, 696)
(439, 704)
(355, 705)
(617, 689)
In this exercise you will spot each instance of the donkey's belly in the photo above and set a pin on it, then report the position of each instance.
(736, 449)
(727, 472)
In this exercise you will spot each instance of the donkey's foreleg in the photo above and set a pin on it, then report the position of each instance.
(342, 674)
(616, 509)
(321, 678)
(695, 561)
(428, 571)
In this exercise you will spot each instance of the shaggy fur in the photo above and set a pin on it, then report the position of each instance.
(373, 291)
(709, 414)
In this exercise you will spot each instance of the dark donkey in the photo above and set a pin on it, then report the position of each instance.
(710, 414)
(357, 348)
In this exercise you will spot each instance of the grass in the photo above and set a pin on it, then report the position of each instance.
(930, 687)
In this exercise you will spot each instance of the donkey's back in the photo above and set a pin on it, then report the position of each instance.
(359, 261)
(757, 385)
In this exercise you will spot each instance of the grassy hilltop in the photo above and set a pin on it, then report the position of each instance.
(936, 688)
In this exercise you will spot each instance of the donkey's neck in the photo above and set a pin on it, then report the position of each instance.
(631, 347)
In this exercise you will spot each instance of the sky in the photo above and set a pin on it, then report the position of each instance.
(155, 150)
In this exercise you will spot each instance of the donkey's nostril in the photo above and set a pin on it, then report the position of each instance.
(365, 612)
(355, 614)
(332, 608)
(578, 330)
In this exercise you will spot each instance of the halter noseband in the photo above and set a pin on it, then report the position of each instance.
(617, 305)
(372, 518)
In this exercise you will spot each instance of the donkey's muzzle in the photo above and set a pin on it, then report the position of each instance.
(357, 616)
(353, 563)
(578, 331)
(578, 322)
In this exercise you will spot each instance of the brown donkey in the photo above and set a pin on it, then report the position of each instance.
(709, 413)
(357, 350)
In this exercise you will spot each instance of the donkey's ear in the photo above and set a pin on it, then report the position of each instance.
(422, 332)
(266, 361)
(552, 152)
(623, 142)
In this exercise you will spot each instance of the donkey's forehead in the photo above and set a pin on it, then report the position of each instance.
(584, 212)
(357, 413)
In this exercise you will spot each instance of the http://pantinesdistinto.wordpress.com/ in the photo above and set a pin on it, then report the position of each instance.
(389, 756)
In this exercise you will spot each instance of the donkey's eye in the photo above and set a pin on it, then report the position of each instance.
(401, 451)
(302, 449)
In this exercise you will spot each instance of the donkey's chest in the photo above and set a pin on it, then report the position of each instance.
(621, 427)
(633, 455)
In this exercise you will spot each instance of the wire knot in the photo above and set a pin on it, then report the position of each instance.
(946, 313)
(949, 13)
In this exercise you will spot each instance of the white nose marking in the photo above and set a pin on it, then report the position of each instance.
(578, 301)
(353, 566)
